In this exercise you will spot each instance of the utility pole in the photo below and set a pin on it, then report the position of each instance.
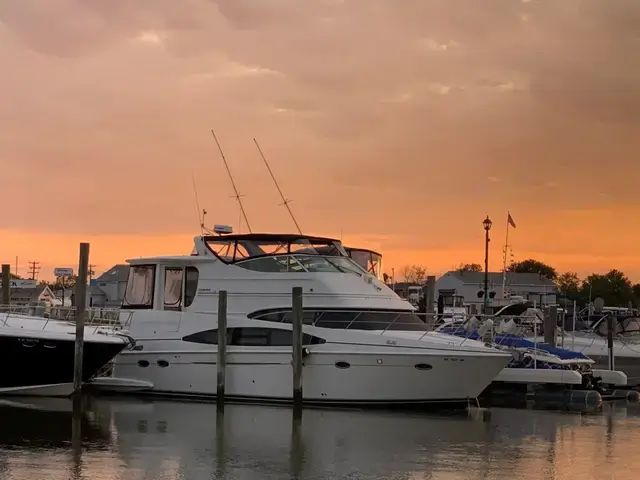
(91, 272)
(34, 268)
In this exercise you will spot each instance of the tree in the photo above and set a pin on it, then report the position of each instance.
(636, 294)
(533, 266)
(470, 267)
(614, 288)
(61, 283)
(569, 284)
(415, 273)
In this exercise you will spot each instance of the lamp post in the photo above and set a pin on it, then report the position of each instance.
(487, 226)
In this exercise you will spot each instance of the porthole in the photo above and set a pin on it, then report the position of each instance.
(143, 363)
(342, 365)
(138, 348)
(423, 366)
(163, 363)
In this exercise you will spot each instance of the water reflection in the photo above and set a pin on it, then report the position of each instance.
(104, 439)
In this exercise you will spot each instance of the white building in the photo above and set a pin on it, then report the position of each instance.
(470, 285)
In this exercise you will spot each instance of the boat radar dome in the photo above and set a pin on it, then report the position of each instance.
(222, 229)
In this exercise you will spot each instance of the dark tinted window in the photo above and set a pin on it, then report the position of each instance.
(252, 336)
(360, 320)
(191, 285)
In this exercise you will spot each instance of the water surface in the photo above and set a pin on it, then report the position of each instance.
(133, 439)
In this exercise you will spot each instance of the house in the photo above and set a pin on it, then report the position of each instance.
(97, 297)
(531, 286)
(31, 296)
(111, 286)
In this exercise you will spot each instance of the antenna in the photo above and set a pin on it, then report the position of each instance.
(237, 194)
(204, 212)
(285, 202)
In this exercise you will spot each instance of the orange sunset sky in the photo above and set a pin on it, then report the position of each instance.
(400, 123)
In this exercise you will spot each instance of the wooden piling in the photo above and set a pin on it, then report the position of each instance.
(610, 328)
(6, 284)
(429, 292)
(81, 300)
(296, 299)
(551, 325)
(222, 345)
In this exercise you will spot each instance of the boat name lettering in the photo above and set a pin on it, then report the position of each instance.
(392, 342)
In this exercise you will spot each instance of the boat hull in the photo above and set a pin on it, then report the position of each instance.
(44, 366)
(375, 378)
(626, 354)
(629, 365)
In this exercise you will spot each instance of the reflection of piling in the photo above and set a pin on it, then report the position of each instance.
(296, 452)
(220, 439)
(81, 299)
(297, 345)
(76, 436)
(222, 345)
(6, 284)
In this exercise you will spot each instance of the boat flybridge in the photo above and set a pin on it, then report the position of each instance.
(363, 345)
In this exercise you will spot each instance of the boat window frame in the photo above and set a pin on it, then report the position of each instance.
(285, 240)
(177, 306)
(141, 306)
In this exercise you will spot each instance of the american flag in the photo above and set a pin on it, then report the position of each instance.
(510, 220)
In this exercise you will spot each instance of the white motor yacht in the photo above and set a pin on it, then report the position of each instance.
(363, 344)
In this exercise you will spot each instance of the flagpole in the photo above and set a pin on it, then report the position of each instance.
(504, 266)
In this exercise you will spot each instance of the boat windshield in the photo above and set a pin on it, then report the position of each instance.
(369, 260)
(629, 326)
(283, 253)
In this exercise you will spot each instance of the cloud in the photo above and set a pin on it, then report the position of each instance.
(364, 106)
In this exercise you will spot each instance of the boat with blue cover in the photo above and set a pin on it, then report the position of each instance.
(533, 362)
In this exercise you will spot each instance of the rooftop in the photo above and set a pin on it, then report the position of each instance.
(513, 278)
(117, 273)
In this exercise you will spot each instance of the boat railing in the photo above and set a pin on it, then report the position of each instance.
(99, 318)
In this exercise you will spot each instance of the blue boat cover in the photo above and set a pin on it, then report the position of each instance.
(509, 340)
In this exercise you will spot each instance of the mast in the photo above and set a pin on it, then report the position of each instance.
(285, 202)
(233, 183)
(504, 257)
(200, 219)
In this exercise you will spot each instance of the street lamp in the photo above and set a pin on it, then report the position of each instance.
(487, 226)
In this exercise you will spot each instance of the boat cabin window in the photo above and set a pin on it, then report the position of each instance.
(453, 301)
(173, 288)
(140, 286)
(252, 337)
(180, 287)
(349, 319)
